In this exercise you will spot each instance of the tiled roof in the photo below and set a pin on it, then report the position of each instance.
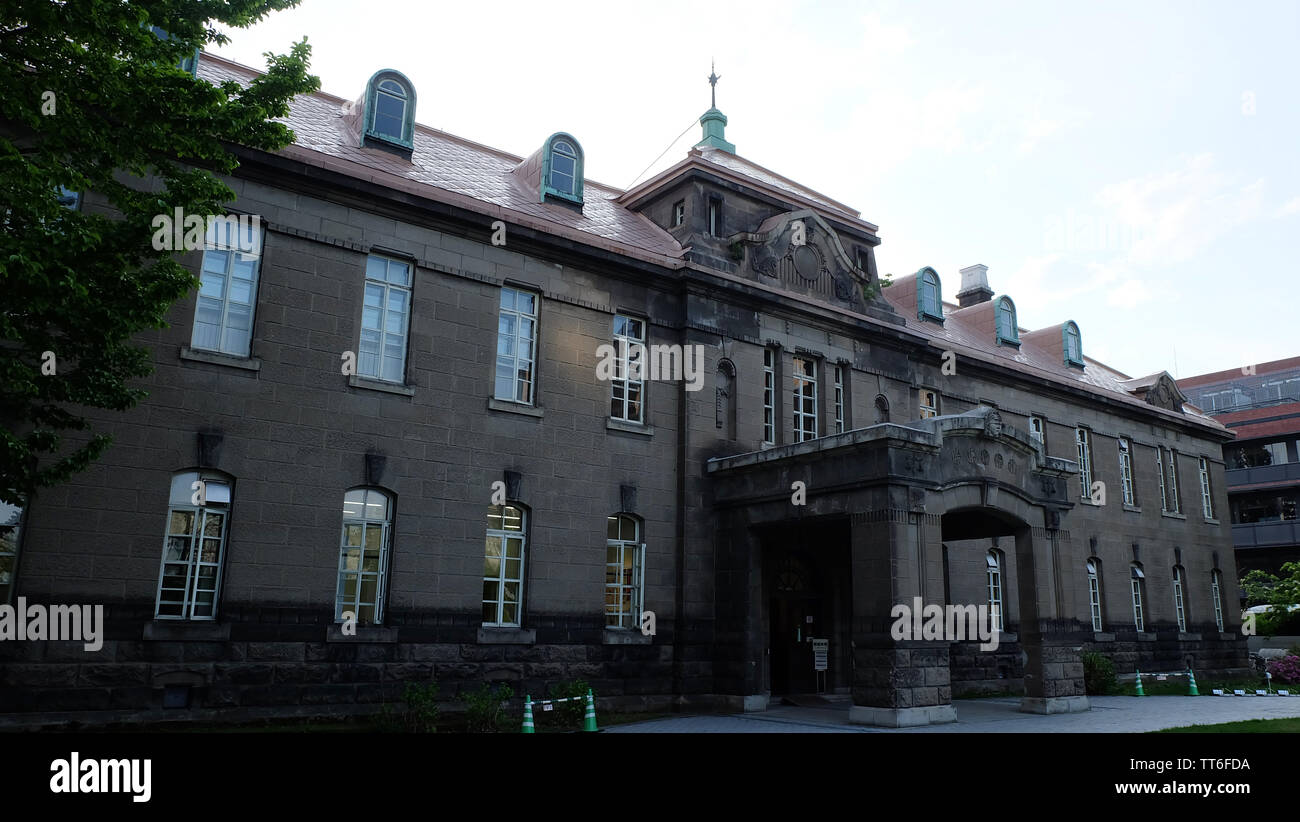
(1236, 373)
(740, 165)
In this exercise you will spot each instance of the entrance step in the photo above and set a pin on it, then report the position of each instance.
(807, 701)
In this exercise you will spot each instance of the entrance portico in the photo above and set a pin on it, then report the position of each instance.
(890, 494)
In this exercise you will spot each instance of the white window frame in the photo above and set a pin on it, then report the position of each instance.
(14, 525)
(516, 319)
(1040, 431)
(1160, 475)
(1175, 506)
(679, 213)
(563, 148)
(1207, 499)
(1216, 592)
(358, 574)
(385, 287)
(839, 399)
(505, 537)
(216, 248)
(1083, 442)
(634, 586)
(805, 392)
(630, 355)
(769, 396)
(1126, 470)
(1178, 599)
(400, 95)
(1136, 577)
(994, 580)
(181, 502)
(932, 409)
(1094, 595)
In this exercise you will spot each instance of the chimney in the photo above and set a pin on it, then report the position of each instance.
(974, 286)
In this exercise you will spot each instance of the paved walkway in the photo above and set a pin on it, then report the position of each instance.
(1109, 714)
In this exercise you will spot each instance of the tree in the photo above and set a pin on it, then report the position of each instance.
(94, 97)
(1263, 588)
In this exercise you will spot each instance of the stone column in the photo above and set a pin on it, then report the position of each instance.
(739, 641)
(1050, 636)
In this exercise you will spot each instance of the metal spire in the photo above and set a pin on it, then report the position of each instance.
(713, 82)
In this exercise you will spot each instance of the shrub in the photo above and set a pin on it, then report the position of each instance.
(1286, 669)
(1098, 674)
(420, 714)
(485, 708)
(566, 714)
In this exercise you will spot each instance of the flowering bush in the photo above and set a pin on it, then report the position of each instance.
(1286, 669)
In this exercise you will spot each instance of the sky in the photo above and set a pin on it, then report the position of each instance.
(1133, 166)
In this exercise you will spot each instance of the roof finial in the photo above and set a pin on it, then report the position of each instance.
(713, 82)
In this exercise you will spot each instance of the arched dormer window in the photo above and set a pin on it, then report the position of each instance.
(929, 295)
(390, 109)
(1071, 344)
(1007, 333)
(562, 169)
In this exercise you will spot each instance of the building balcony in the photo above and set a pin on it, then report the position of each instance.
(1266, 534)
(1237, 477)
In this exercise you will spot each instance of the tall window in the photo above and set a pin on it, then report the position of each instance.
(223, 319)
(390, 109)
(516, 345)
(1216, 594)
(503, 566)
(1007, 332)
(624, 572)
(679, 213)
(929, 403)
(385, 318)
(1167, 469)
(994, 562)
(564, 166)
(1037, 430)
(194, 547)
(882, 409)
(11, 527)
(715, 216)
(1178, 598)
(1136, 581)
(1207, 499)
(1126, 470)
(1085, 461)
(839, 399)
(363, 555)
(769, 396)
(805, 399)
(1070, 342)
(1094, 594)
(929, 302)
(629, 367)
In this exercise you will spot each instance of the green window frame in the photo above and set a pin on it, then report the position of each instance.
(388, 88)
(562, 164)
(929, 295)
(1071, 343)
(1006, 323)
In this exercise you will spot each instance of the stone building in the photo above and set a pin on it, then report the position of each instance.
(396, 412)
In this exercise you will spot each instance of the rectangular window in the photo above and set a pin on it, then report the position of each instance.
(1160, 475)
(1218, 603)
(223, 318)
(194, 546)
(516, 345)
(1138, 621)
(1171, 473)
(629, 366)
(769, 396)
(385, 320)
(839, 399)
(363, 556)
(679, 213)
(715, 217)
(1178, 600)
(624, 573)
(1085, 461)
(929, 403)
(805, 399)
(11, 527)
(503, 566)
(995, 590)
(1207, 499)
(1126, 471)
(1094, 598)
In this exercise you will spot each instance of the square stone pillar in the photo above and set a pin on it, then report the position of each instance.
(1050, 637)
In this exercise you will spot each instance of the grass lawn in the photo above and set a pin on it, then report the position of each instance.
(1246, 726)
(447, 724)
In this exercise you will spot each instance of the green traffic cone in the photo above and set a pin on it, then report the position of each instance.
(528, 716)
(1139, 684)
(589, 721)
(1191, 688)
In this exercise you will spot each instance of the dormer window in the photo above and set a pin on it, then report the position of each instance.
(1007, 334)
(562, 169)
(929, 296)
(1071, 345)
(390, 109)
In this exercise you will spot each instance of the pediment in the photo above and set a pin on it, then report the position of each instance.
(800, 252)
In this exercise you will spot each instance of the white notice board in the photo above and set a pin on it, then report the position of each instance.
(821, 648)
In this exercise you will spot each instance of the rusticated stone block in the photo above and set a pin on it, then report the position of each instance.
(220, 696)
(356, 673)
(408, 672)
(305, 674)
(328, 694)
(276, 651)
(434, 653)
(114, 674)
(270, 695)
(243, 673)
(39, 675)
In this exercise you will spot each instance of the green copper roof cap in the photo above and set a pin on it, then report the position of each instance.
(714, 121)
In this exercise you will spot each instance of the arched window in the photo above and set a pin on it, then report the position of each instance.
(1007, 332)
(194, 546)
(1180, 605)
(1071, 343)
(882, 409)
(390, 109)
(994, 561)
(929, 296)
(725, 399)
(562, 169)
(1216, 594)
(624, 572)
(363, 556)
(1138, 582)
(1094, 591)
(503, 566)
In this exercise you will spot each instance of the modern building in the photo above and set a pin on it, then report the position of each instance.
(1261, 405)
(417, 406)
